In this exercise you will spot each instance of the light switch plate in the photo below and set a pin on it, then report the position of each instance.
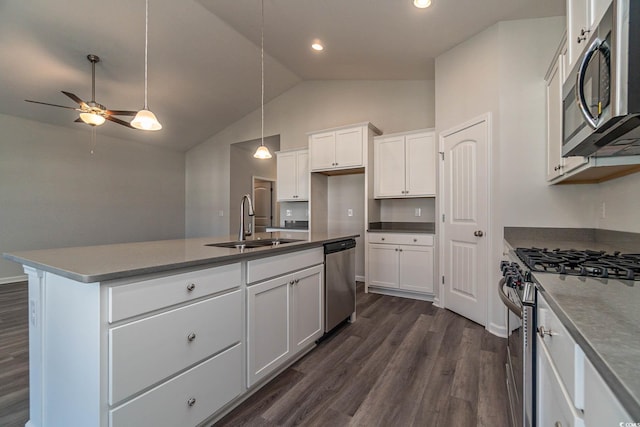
(349, 212)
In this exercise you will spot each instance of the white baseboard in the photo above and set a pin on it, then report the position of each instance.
(399, 293)
(436, 302)
(359, 278)
(498, 330)
(14, 279)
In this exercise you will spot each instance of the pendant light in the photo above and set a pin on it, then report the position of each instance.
(145, 119)
(262, 152)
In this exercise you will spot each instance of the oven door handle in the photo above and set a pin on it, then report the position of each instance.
(505, 299)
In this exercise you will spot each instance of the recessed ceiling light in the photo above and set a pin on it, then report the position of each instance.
(422, 3)
(317, 46)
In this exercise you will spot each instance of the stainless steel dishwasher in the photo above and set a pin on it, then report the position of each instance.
(340, 282)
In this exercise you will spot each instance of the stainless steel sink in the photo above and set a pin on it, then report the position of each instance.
(258, 243)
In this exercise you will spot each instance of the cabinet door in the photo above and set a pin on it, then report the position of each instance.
(577, 22)
(303, 175)
(416, 268)
(383, 265)
(287, 175)
(420, 161)
(349, 148)
(388, 173)
(268, 327)
(597, 8)
(307, 297)
(554, 406)
(554, 122)
(322, 148)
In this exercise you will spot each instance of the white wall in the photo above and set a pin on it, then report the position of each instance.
(501, 71)
(393, 106)
(622, 204)
(54, 193)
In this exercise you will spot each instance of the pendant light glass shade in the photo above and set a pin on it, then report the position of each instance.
(145, 119)
(262, 152)
(92, 119)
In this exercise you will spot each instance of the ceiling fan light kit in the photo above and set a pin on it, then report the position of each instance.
(92, 119)
(262, 152)
(145, 119)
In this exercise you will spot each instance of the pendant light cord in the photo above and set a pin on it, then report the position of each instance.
(262, 75)
(146, 48)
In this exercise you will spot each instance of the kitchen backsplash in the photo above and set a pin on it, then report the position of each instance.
(406, 210)
(298, 211)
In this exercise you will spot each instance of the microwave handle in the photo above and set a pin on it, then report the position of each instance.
(580, 98)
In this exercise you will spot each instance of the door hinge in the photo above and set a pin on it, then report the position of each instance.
(443, 280)
(442, 217)
(441, 154)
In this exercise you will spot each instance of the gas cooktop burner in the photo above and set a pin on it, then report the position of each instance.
(582, 262)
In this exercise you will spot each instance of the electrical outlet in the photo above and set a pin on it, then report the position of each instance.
(288, 212)
(418, 212)
(32, 313)
(349, 212)
(603, 212)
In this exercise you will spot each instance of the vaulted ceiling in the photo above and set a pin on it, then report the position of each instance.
(204, 56)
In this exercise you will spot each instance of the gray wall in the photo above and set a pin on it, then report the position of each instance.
(54, 193)
(393, 106)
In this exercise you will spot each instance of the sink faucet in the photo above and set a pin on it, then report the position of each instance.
(242, 234)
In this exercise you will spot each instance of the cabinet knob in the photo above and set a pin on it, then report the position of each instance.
(191, 287)
(400, 250)
(291, 282)
(382, 238)
(478, 233)
(296, 281)
(415, 240)
(191, 401)
(191, 336)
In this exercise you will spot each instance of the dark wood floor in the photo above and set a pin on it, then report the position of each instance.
(403, 363)
(14, 355)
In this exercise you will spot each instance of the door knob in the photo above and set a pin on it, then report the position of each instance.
(478, 233)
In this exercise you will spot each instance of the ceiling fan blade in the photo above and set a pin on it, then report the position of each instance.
(53, 105)
(121, 113)
(79, 120)
(75, 98)
(118, 121)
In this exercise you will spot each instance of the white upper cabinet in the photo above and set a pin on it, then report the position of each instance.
(557, 166)
(405, 165)
(293, 175)
(340, 148)
(582, 17)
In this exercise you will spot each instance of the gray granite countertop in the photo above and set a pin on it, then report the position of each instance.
(602, 315)
(107, 262)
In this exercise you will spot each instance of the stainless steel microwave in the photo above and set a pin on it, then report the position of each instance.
(601, 95)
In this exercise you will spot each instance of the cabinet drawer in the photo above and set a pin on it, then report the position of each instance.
(208, 387)
(146, 351)
(402, 239)
(264, 268)
(153, 294)
(566, 355)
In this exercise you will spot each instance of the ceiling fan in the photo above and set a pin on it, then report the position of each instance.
(91, 112)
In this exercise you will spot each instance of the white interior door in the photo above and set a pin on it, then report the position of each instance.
(465, 208)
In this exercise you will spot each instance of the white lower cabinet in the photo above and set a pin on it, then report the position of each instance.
(284, 317)
(570, 392)
(187, 399)
(401, 261)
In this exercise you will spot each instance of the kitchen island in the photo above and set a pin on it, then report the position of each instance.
(169, 332)
(600, 314)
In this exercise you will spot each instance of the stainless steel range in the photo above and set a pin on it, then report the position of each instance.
(517, 289)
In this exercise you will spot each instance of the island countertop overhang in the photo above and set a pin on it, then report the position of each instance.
(90, 264)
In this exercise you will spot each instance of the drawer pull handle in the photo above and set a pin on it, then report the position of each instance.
(191, 287)
(191, 401)
(191, 336)
(382, 238)
(542, 332)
